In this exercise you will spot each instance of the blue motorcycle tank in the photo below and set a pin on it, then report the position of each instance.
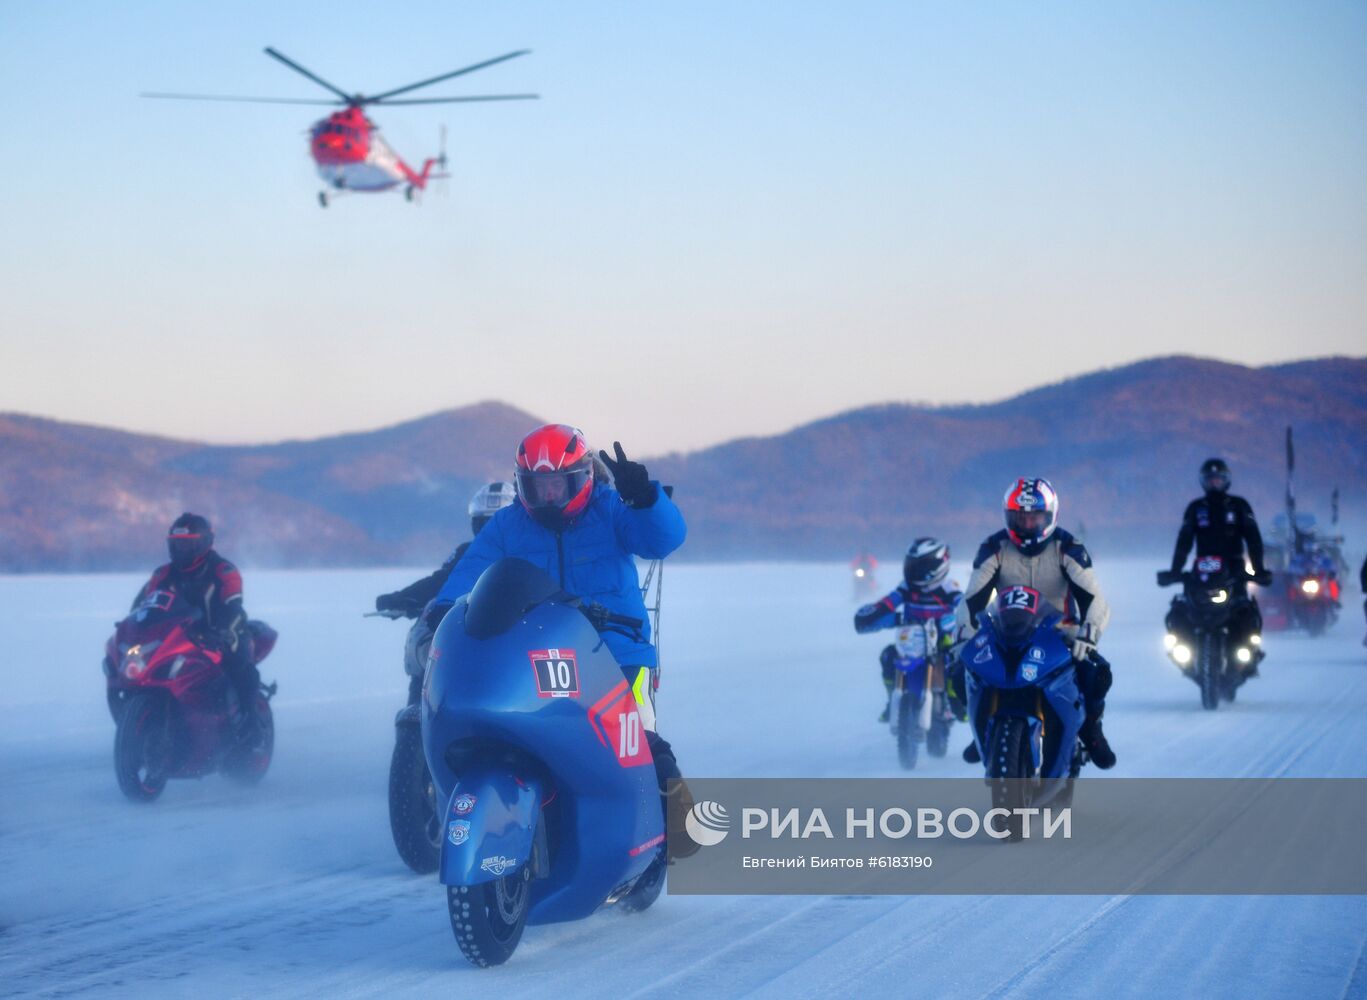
(519, 684)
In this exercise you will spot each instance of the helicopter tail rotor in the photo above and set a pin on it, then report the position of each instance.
(443, 176)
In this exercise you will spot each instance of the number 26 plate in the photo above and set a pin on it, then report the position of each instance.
(557, 673)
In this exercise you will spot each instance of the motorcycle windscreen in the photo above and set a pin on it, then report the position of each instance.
(505, 592)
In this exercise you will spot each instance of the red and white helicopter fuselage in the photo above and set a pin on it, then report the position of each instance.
(351, 156)
(346, 145)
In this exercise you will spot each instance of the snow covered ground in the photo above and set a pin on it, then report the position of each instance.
(293, 888)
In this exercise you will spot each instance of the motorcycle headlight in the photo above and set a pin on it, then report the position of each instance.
(1257, 640)
(1169, 641)
(1219, 597)
(859, 572)
(1311, 586)
(135, 659)
(1243, 655)
(1181, 654)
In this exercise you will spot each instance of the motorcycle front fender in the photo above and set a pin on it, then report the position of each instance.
(489, 826)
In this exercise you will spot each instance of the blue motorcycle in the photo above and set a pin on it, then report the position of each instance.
(917, 710)
(1024, 703)
(551, 807)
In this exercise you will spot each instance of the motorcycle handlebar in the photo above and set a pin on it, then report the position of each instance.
(1167, 577)
(601, 616)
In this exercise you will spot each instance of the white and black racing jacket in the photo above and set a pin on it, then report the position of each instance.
(1061, 572)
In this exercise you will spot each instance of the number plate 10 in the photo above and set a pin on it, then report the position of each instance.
(557, 673)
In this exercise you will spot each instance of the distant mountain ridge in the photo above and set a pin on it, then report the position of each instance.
(1122, 445)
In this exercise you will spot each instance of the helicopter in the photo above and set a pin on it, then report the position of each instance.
(346, 145)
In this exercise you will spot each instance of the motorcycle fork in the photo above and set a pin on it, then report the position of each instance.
(163, 746)
(1039, 705)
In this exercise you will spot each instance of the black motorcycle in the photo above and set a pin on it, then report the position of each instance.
(1212, 630)
(413, 814)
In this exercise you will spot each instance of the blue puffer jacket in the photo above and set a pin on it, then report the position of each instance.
(592, 558)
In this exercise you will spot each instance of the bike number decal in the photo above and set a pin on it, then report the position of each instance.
(625, 736)
(1019, 599)
(1209, 564)
(915, 641)
(557, 673)
(158, 600)
(628, 735)
(618, 726)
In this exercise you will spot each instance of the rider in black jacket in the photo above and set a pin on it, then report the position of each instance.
(410, 601)
(1223, 525)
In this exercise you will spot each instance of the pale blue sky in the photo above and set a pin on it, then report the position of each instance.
(722, 219)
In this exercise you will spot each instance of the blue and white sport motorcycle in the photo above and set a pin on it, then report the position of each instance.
(1024, 703)
(551, 808)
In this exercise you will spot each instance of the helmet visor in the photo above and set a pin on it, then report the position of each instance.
(552, 490)
(1215, 479)
(1028, 524)
(185, 549)
(924, 569)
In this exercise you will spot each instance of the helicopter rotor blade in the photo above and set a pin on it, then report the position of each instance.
(312, 76)
(250, 100)
(445, 76)
(458, 100)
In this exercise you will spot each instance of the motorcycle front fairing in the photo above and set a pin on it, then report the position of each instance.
(538, 720)
(155, 655)
(995, 687)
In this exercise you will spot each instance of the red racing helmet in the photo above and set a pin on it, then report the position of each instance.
(554, 474)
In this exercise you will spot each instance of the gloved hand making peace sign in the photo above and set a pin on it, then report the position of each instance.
(631, 479)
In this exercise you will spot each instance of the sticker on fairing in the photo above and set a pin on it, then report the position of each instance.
(557, 673)
(497, 865)
(1209, 564)
(463, 803)
(617, 724)
(458, 832)
(158, 600)
(1019, 599)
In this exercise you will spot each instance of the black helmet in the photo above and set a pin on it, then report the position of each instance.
(189, 540)
(926, 563)
(1215, 476)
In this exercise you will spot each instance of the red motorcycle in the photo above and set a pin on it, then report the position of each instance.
(177, 714)
(1312, 598)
